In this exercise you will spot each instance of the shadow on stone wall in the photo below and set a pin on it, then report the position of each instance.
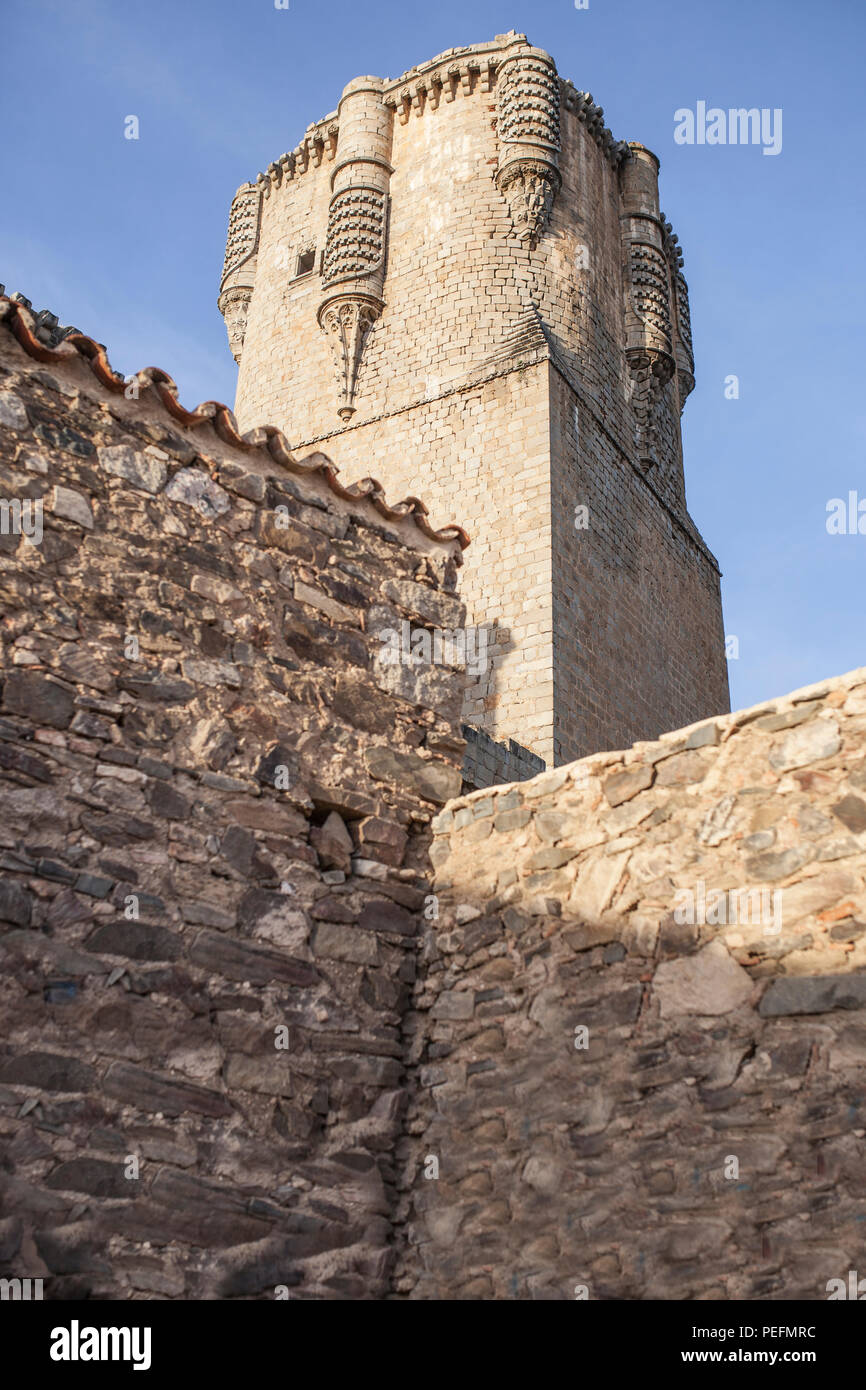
(639, 1032)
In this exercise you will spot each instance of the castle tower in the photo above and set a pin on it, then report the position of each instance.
(460, 284)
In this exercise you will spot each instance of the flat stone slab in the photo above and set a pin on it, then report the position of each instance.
(710, 982)
(813, 994)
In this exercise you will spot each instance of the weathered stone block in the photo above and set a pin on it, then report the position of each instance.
(813, 995)
(142, 471)
(38, 698)
(222, 955)
(48, 1071)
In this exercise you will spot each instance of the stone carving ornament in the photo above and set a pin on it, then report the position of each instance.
(347, 322)
(234, 305)
(353, 264)
(352, 273)
(527, 174)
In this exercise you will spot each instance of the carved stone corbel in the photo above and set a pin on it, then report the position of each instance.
(529, 191)
(347, 322)
(234, 305)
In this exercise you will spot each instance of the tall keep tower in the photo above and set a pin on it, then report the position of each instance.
(461, 284)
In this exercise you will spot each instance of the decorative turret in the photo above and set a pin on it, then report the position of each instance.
(649, 338)
(683, 320)
(527, 173)
(239, 267)
(353, 269)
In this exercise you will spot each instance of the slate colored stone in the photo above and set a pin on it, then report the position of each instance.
(346, 943)
(116, 830)
(238, 848)
(260, 1266)
(16, 904)
(277, 757)
(208, 915)
(164, 800)
(381, 915)
(48, 1071)
(767, 868)
(45, 952)
(137, 940)
(241, 961)
(38, 698)
(93, 886)
(167, 1095)
(807, 994)
(72, 1249)
(333, 909)
(15, 758)
(94, 1176)
(56, 873)
(153, 689)
(59, 436)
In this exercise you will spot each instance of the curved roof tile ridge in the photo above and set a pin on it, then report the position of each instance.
(263, 439)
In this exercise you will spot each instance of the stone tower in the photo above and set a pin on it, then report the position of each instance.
(461, 284)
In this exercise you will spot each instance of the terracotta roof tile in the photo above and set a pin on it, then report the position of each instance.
(265, 439)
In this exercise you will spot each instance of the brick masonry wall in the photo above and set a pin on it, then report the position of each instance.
(462, 399)
(635, 1082)
(214, 812)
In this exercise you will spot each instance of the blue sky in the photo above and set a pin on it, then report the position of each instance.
(125, 238)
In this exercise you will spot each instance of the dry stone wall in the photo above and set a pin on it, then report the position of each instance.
(214, 812)
(638, 1036)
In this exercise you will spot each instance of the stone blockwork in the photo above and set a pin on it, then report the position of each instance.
(639, 1032)
(461, 273)
(214, 815)
(246, 1050)
(485, 763)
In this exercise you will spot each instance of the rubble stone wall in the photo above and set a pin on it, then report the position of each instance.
(214, 812)
(639, 1037)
